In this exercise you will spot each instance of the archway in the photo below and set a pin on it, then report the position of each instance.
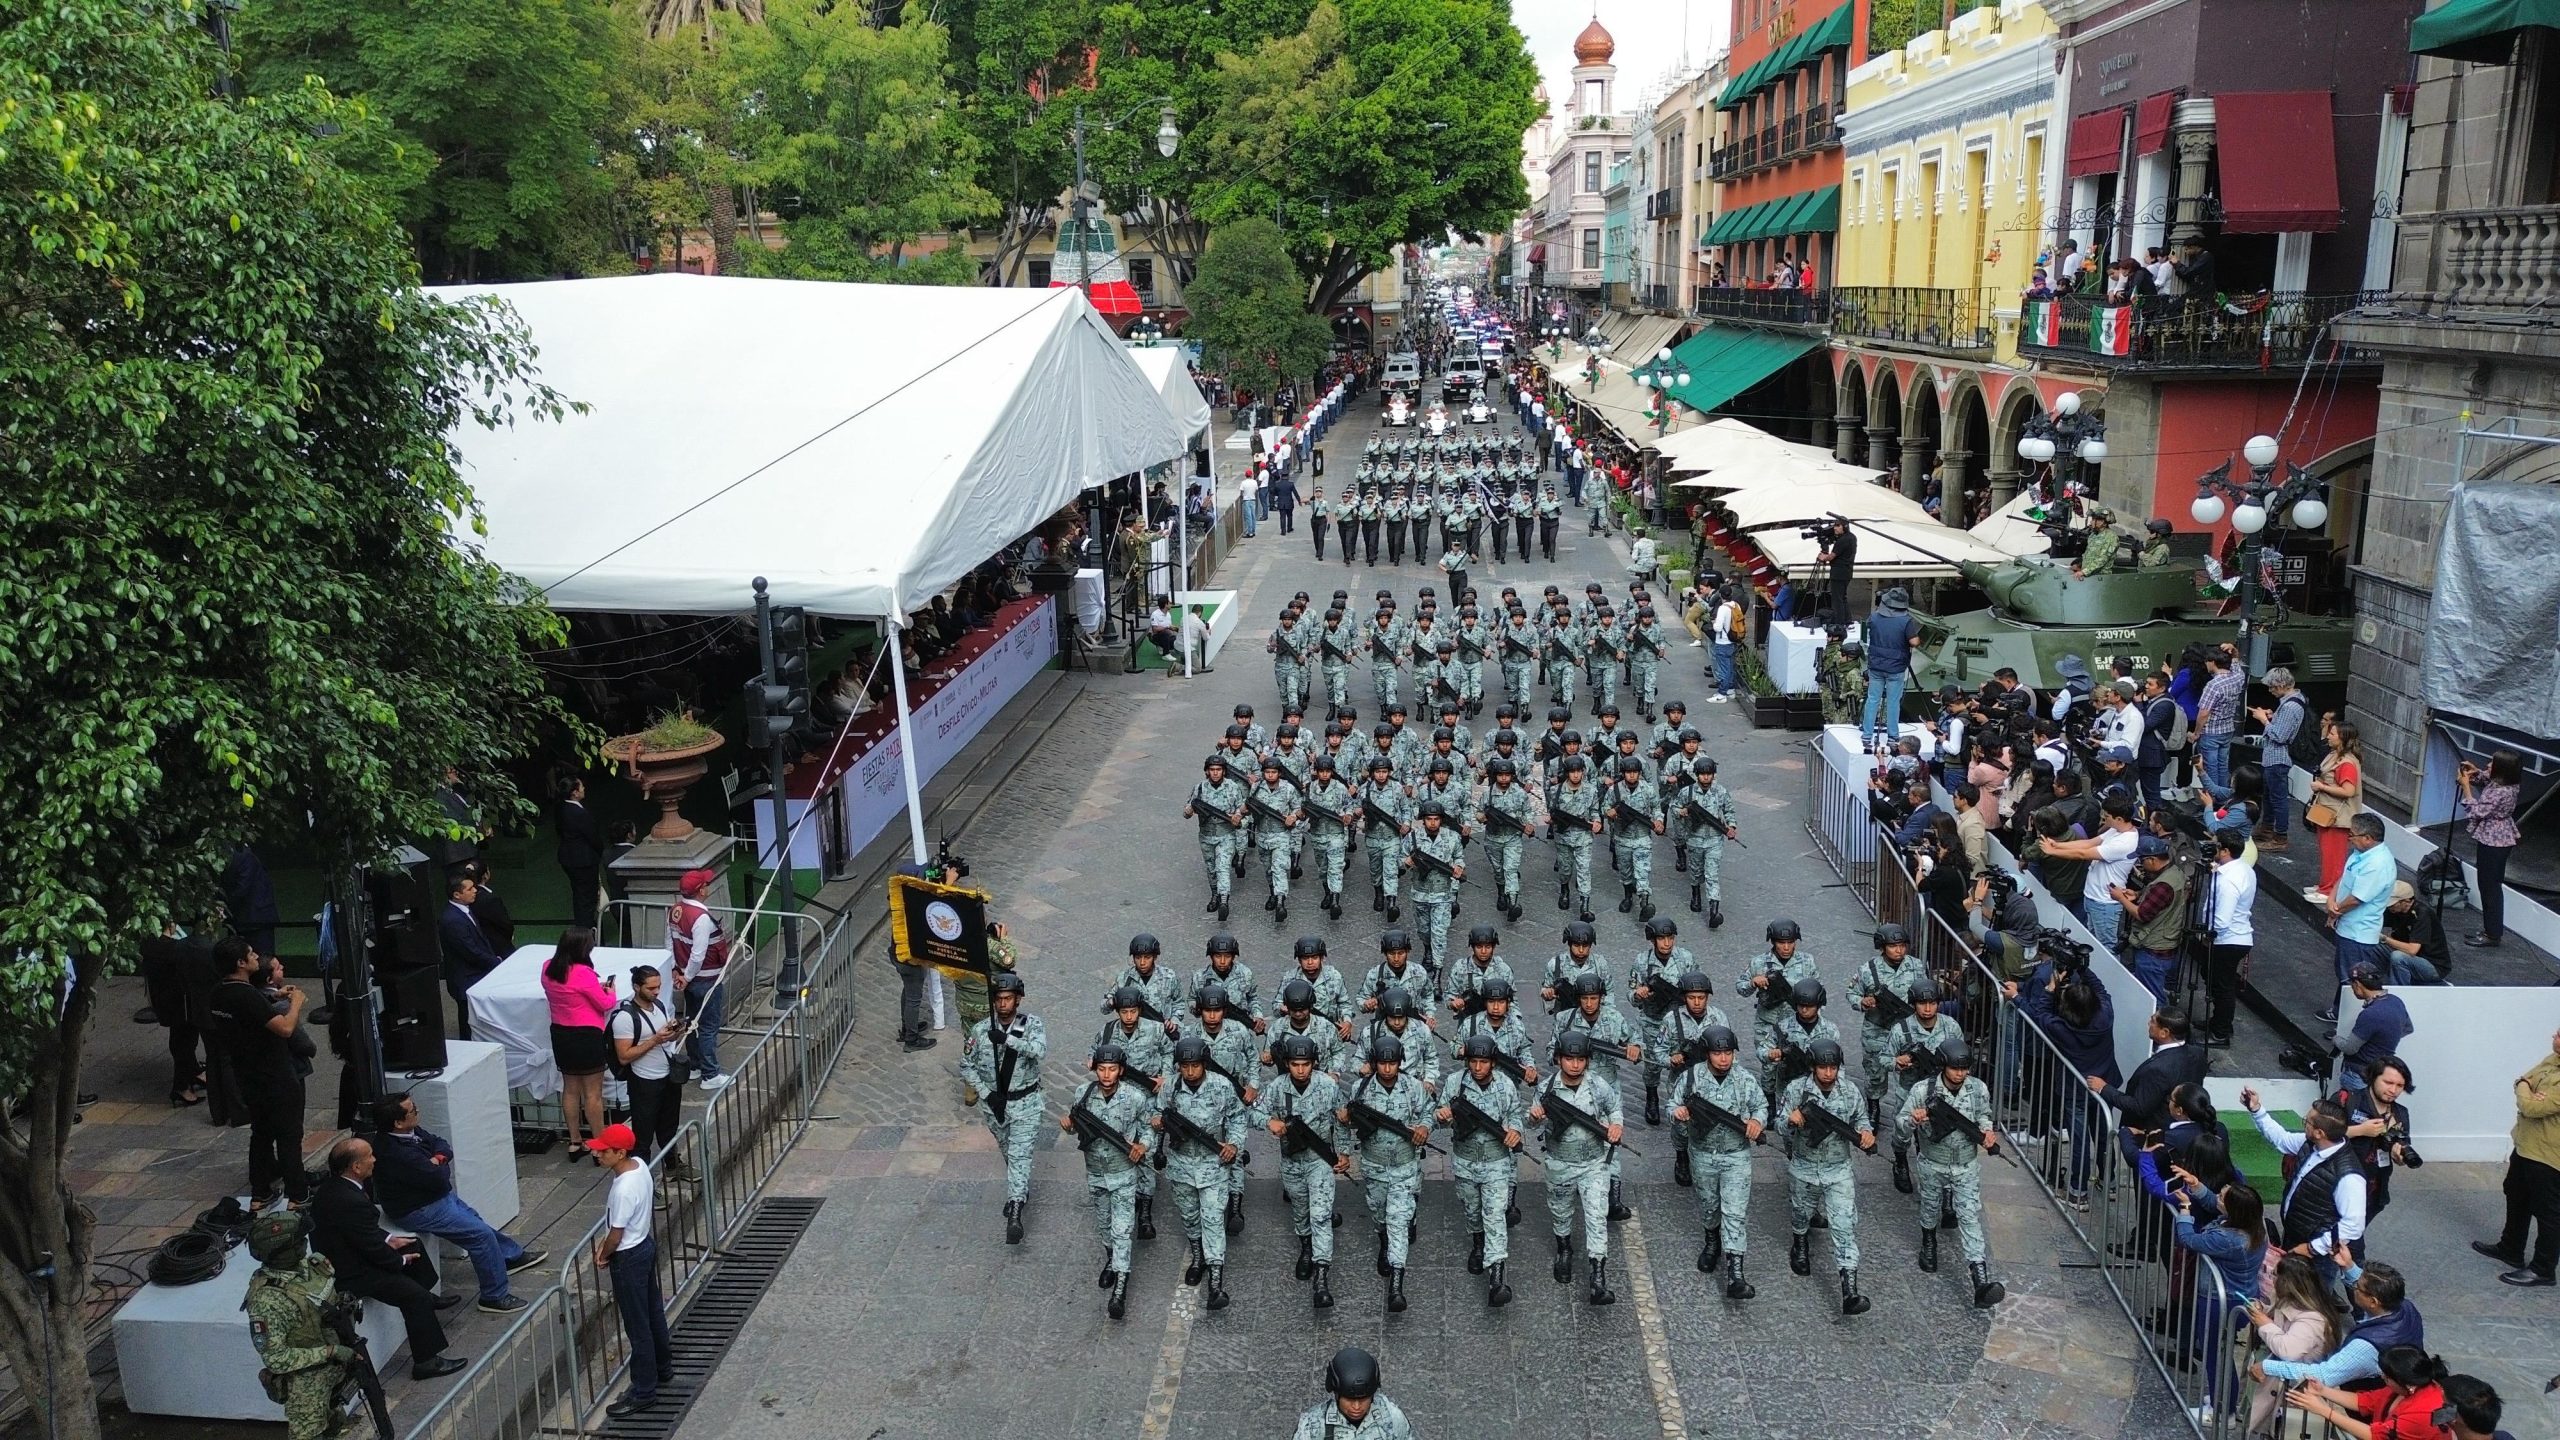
(1819, 399)
(1849, 440)
(2018, 405)
(1884, 407)
(1967, 457)
(1921, 421)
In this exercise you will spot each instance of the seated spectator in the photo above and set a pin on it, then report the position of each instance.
(846, 696)
(2413, 938)
(2403, 1409)
(347, 1231)
(1162, 632)
(2381, 1316)
(413, 1179)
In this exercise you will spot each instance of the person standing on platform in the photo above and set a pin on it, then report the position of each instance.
(580, 852)
(628, 1253)
(2533, 1177)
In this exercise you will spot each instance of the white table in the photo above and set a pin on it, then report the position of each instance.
(1088, 598)
(467, 1105)
(509, 1007)
(184, 1349)
(1793, 650)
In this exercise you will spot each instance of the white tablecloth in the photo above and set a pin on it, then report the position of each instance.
(1793, 650)
(508, 1007)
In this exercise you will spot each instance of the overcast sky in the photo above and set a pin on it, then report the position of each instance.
(1647, 31)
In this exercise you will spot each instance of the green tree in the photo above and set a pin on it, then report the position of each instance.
(856, 135)
(1249, 307)
(678, 167)
(1379, 123)
(499, 112)
(225, 410)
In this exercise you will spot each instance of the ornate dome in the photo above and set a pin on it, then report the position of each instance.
(1594, 45)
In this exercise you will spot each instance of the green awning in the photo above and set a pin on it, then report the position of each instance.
(2481, 31)
(1831, 32)
(1807, 212)
(1725, 360)
(1820, 214)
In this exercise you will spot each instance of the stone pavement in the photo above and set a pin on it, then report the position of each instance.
(903, 1314)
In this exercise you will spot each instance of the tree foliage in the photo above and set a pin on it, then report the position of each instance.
(224, 417)
(1379, 123)
(1249, 307)
(855, 133)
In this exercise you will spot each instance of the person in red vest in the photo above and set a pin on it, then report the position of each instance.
(699, 951)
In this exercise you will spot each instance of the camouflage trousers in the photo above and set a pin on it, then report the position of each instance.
(1484, 1195)
(1635, 858)
(1583, 1184)
(1959, 1185)
(1218, 853)
(1706, 862)
(1470, 678)
(1016, 1135)
(1504, 850)
(1279, 851)
(1291, 678)
(1383, 680)
(1203, 1208)
(1337, 685)
(1391, 1191)
(1833, 1190)
(1386, 857)
(1308, 1183)
(1723, 1182)
(1431, 919)
(1333, 855)
(311, 1409)
(1573, 859)
(1115, 1210)
(1603, 675)
(1515, 683)
(1647, 672)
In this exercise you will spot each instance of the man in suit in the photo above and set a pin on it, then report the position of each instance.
(490, 908)
(2142, 1103)
(347, 1231)
(450, 852)
(468, 955)
(2159, 716)
(581, 852)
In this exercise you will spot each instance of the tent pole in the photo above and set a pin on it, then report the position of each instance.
(907, 749)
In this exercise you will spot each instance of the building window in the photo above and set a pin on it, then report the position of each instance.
(1590, 249)
(1039, 274)
(1142, 277)
(1591, 173)
(1595, 97)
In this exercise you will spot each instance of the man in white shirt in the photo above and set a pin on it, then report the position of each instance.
(2110, 857)
(629, 1254)
(1249, 499)
(2235, 894)
(1726, 630)
(643, 1032)
(2311, 1221)
(1195, 640)
(2121, 724)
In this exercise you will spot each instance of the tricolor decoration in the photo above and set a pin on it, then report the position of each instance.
(2111, 331)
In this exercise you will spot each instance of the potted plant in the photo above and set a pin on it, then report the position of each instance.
(664, 761)
(1768, 707)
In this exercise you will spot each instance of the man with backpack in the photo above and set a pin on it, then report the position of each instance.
(642, 1034)
(2291, 739)
(2164, 735)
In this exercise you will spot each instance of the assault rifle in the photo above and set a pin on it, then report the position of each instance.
(1712, 1116)
(1382, 647)
(1091, 1131)
(1324, 642)
(340, 1315)
(1792, 1062)
(1821, 1125)
(1369, 1120)
(1185, 1130)
(1508, 824)
(1891, 1009)
(1373, 814)
(1006, 1058)
(1302, 1137)
(1322, 813)
(1514, 647)
(1471, 1120)
(1205, 811)
(1619, 814)
(1661, 993)
(1263, 808)
(1434, 863)
(1563, 1115)
(1504, 1061)
(1470, 649)
(1701, 815)
(1945, 1120)
(1645, 641)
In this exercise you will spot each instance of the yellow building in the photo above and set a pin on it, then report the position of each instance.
(1946, 191)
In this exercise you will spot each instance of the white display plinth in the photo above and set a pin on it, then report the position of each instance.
(184, 1349)
(467, 1105)
(1088, 598)
(1793, 652)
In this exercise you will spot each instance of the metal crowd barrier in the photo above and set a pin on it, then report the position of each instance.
(2192, 1328)
(546, 1374)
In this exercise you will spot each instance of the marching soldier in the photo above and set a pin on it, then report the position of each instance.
(1645, 639)
(1818, 1173)
(1420, 517)
(1392, 1114)
(1473, 640)
(1519, 655)
(1550, 519)
(1385, 812)
(1298, 1018)
(1105, 1113)
(1509, 813)
(1573, 818)
(1583, 1128)
(1790, 1048)
(1288, 662)
(1161, 989)
(1709, 809)
(1951, 1113)
(1395, 515)
(1274, 804)
(1439, 864)
(1495, 1018)
(1254, 739)
(288, 1297)
(1578, 958)
(1614, 1041)
(1397, 970)
(1524, 518)
(1218, 804)
(1146, 1060)
(1001, 1062)
(1718, 1147)
(1235, 1057)
(1369, 513)
(1916, 1044)
(1429, 661)
(1398, 1011)
(1772, 977)
(1882, 994)
(1635, 817)
(1485, 1115)
(1386, 641)
(1298, 1109)
(1655, 988)
(1565, 644)
(1327, 805)
(1461, 987)
(1664, 742)
(1334, 644)
(1608, 651)
(1443, 787)
(1320, 519)
(1202, 1119)
(1356, 1410)
(1332, 999)
(1227, 970)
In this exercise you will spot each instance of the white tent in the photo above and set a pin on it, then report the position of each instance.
(861, 446)
(2009, 531)
(1726, 443)
(1169, 370)
(1760, 506)
(1882, 549)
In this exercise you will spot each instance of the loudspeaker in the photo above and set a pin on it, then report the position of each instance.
(408, 965)
(412, 1020)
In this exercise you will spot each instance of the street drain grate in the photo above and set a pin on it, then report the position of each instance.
(719, 1312)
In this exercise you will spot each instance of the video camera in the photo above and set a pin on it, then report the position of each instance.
(2069, 956)
(1824, 532)
(947, 868)
(2000, 887)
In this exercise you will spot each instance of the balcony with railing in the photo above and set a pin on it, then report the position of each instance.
(1662, 204)
(1814, 128)
(1952, 322)
(2186, 332)
(2497, 257)
(1765, 307)
(1655, 297)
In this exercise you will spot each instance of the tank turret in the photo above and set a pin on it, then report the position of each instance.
(2038, 591)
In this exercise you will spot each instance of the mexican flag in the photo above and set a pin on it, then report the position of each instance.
(2044, 323)
(2111, 331)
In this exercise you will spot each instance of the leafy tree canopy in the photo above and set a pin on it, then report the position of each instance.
(1249, 308)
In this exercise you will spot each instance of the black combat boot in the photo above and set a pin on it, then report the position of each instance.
(1271, 900)
(1475, 1253)
(1324, 1287)
(1306, 1258)
(1235, 1214)
(1119, 1306)
(1333, 903)
(1497, 1294)
(1693, 899)
(1712, 1251)
(1013, 1222)
(1679, 853)
(1800, 1254)
(1510, 1216)
(1601, 1294)
(1564, 1259)
(1715, 914)
(1644, 909)
(1653, 1107)
(1226, 910)
(1618, 1201)
(1211, 908)
(1851, 1302)
(1395, 1291)
(1377, 898)
(1280, 914)
(1987, 1292)
(1735, 1286)
(1929, 1249)
(1902, 1169)
(1584, 914)
(1395, 911)
(1198, 1267)
(1627, 901)
(1564, 894)
(1218, 1287)
(1146, 1217)
(1511, 911)
(1382, 1251)
(1104, 1280)
(1680, 1173)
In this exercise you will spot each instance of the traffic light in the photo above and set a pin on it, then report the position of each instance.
(774, 714)
(791, 655)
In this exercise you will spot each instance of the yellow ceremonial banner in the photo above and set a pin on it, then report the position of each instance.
(944, 926)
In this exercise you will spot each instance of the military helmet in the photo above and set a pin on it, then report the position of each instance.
(1483, 935)
(1706, 764)
(1496, 988)
(1287, 732)
(1307, 945)
(1629, 764)
(1661, 926)
(1783, 931)
(1675, 707)
(1289, 1049)
(1390, 941)
(1128, 997)
(1689, 736)
(1695, 982)
(1442, 764)
(1889, 934)
(1808, 992)
(1433, 809)
(1720, 1040)
(1385, 1050)
(1579, 932)
(1479, 1046)
(1955, 1054)
(1324, 765)
(1609, 711)
(1108, 1053)
(1574, 1044)
(1006, 982)
(1297, 995)
(1190, 1050)
(1447, 646)
(277, 1235)
(1559, 714)
(1214, 762)
(1213, 997)
(1238, 732)
(1223, 943)
(1143, 943)
(1244, 712)
(1352, 1373)
(1925, 991)
(1589, 983)
(2158, 526)
(1396, 1001)
(1823, 1053)
(1500, 768)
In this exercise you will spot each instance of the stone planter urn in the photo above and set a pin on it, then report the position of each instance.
(663, 774)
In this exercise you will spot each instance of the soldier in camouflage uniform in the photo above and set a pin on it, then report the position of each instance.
(1334, 646)
(1718, 1156)
(1655, 989)
(1951, 1165)
(1915, 1044)
(1484, 1159)
(1137, 552)
(1519, 656)
(1509, 812)
(1563, 654)
(1468, 972)
(1330, 812)
(1390, 1154)
(1288, 662)
(1385, 641)
(1332, 998)
(1709, 804)
(1274, 806)
(1235, 1056)
(1573, 818)
(1787, 1056)
(1385, 819)
(1400, 1014)
(1197, 1168)
(2155, 546)
(1608, 651)
(1154, 981)
(1355, 1411)
(1228, 971)
(1635, 817)
(1578, 958)
(1438, 864)
(1578, 1163)
(1496, 1017)
(1146, 1055)
(1304, 1092)
(1474, 639)
(1844, 687)
(2104, 541)
(1113, 1176)
(1001, 1062)
(1396, 970)
(1218, 804)
(1767, 981)
(1818, 1167)
(1298, 1017)
(1881, 991)
(1614, 1041)
(1645, 639)
(287, 1297)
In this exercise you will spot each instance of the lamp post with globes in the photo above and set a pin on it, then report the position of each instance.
(2253, 503)
(1168, 140)
(1659, 376)
(2071, 433)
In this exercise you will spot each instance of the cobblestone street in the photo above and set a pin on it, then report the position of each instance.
(903, 1314)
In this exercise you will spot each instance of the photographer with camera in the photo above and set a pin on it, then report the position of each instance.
(2074, 1012)
(1840, 552)
(2110, 855)
(2378, 1128)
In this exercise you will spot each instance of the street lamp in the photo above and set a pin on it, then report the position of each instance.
(1168, 140)
(2252, 504)
(2070, 433)
(1661, 375)
(1147, 330)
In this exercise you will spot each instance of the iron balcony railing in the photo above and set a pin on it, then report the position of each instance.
(1767, 307)
(2264, 331)
(1956, 322)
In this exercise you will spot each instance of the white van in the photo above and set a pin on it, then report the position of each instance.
(1404, 370)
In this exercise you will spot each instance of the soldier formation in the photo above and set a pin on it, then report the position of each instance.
(1439, 497)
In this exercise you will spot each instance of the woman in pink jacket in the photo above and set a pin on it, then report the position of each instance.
(580, 1004)
(2302, 1323)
